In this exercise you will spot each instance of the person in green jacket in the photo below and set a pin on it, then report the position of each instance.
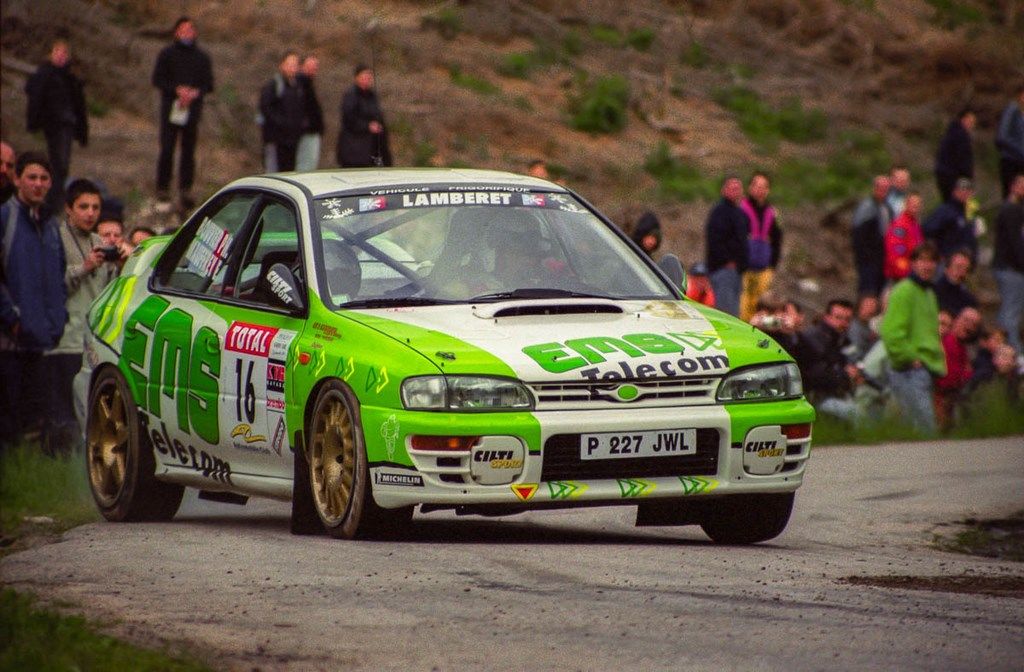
(910, 331)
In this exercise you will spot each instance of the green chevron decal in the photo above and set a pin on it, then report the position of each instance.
(695, 485)
(566, 489)
(635, 487)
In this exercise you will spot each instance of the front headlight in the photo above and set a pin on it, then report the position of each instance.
(759, 383)
(465, 393)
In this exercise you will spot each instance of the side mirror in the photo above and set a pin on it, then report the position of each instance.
(673, 268)
(285, 288)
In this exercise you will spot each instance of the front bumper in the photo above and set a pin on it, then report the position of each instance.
(403, 476)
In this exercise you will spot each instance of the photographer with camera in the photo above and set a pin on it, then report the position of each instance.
(110, 229)
(90, 266)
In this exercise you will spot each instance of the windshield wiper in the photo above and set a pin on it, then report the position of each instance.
(537, 293)
(389, 302)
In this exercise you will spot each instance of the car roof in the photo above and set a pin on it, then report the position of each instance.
(362, 180)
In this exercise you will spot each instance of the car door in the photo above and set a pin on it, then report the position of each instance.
(229, 406)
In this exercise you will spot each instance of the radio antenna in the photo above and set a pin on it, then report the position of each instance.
(371, 29)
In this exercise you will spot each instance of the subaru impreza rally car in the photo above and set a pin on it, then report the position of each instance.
(364, 342)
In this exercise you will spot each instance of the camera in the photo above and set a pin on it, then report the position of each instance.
(769, 322)
(110, 252)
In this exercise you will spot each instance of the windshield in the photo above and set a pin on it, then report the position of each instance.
(451, 245)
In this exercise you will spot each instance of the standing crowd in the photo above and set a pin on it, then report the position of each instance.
(915, 335)
(64, 239)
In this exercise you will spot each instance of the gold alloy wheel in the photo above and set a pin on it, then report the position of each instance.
(107, 444)
(332, 460)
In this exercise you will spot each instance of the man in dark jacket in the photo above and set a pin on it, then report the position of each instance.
(363, 139)
(32, 297)
(7, 157)
(955, 158)
(283, 108)
(307, 157)
(949, 226)
(870, 222)
(56, 106)
(1008, 262)
(951, 288)
(184, 75)
(828, 376)
(1010, 140)
(725, 235)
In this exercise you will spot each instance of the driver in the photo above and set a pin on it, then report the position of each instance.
(521, 257)
(344, 275)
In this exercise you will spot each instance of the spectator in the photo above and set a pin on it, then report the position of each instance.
(983, 367)
(110, 229)
(764, 243)
(903, 236)
(307, 157)
(782, 321)
(85, 276)
(725, 235)
(538, 168)
(647, 233)
(948, 225)
(870, 222)
(140, 233)
(945, 323)
(1010, 142)
(698, 287)
(184, 75)
(910, 331)
(1008, 262)
(56, 106)
(861, 334)
(899, 188)
(955, 158)
(283, 108)
(32, 297)
(7, 158)
(829, 377)
(951, 289)
(949, 387)
(363, 139)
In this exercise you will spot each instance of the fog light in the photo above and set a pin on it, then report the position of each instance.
(444, 442)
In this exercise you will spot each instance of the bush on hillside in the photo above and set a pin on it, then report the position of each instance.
(600, 106)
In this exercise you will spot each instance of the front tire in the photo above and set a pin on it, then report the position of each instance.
(339, 476)
(120, 467)
(748, 519)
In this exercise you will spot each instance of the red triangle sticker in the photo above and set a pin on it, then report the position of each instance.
(525, 491)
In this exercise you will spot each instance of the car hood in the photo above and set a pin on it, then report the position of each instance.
(575, 339)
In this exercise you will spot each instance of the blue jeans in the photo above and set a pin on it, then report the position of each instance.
(1011, 310)
(913, 390)
(726, 283)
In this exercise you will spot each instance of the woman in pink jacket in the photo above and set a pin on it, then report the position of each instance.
(903, 236)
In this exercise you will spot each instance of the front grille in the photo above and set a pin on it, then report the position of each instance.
(562, 461)
(651, 392)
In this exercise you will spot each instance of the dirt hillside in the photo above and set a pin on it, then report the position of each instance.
(821, 93)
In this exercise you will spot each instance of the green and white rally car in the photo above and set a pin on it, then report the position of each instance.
(363, 342)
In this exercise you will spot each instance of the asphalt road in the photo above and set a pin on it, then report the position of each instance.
(574, 590)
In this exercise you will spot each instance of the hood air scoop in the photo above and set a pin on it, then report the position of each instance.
(546, 307)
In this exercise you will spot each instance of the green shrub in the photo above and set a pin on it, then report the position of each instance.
(677, 179)
(766, 126)
(607, 35)
(694, 55)
(640, 39)
(954, 13)
(472, 82)
(447, 21)
(600, 106)
(518, 65)
(422, 153)
(572, 43)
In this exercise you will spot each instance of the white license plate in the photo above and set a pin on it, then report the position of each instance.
(658, 443)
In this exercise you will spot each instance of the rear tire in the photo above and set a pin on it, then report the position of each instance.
(119, 461)
(339, 476)
(748, 519)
